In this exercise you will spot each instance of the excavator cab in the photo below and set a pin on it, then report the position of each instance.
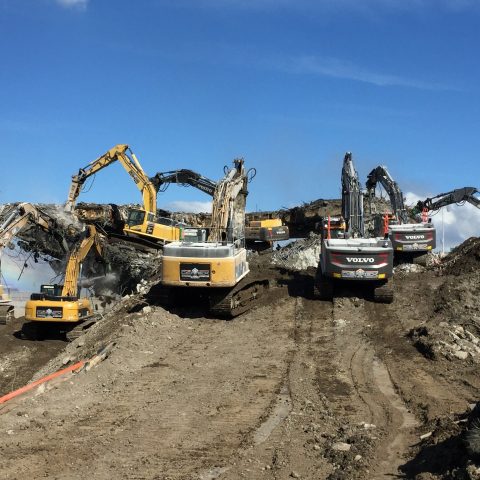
(148, 225)
(333, 227)
(54, 290)
(135, 217)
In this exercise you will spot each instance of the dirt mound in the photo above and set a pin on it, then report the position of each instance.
(457, 298)
(463, 259)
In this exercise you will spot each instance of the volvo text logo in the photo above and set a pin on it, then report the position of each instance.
(360, 260)
(414, 237)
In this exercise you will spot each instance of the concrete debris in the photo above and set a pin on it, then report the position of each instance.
(142, 287)
(299, 255)
(448, 340)
(408, 268)
(341, 447)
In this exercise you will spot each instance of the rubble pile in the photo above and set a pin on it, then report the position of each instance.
(299, 255)
(406, 268)
(451, 341)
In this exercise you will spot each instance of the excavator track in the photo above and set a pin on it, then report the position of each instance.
(6, 314)
(232, 302)
(79, 329)
(383, 294)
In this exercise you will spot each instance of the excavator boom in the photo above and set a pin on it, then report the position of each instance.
(93, 238)
(352, 198)
(130, 163)
(23, 215)
(380, 175)
(142, 225)
(259, 234)
(459, 196)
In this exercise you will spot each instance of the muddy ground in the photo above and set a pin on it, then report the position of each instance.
(296, 388)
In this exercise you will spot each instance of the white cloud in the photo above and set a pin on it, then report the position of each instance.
(335, 68)
(456, 223)
(189, 207)
(78, 4)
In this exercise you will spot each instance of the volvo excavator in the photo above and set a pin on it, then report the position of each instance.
(411, 241)
(142, 224)
(22, 216)
(259, 233)
(61, 306)
(213, 262)
(458, 196)
(347, 256)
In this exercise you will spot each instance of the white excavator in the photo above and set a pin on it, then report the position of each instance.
(22, 216)
(411, 241)
(212, 262)
(347, 256)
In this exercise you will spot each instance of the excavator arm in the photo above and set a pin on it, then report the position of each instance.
(26, 214)
(352, 198)
(130, 163)
(92, 239)
(184, 177)
(458, 196)
(380, 174)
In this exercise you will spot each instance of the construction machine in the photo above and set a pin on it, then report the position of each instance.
(212, 262)
(347, 256)
(458, 196)
(22, 216)
(411, 241)
(61, 305)
(141, 224)
(260, 233)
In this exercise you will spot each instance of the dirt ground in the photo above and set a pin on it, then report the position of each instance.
(295, 388)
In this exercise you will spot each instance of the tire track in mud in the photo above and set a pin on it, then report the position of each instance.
(376, 399)
(339, 392)
(179, 403)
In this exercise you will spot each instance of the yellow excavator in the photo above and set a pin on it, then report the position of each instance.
(61, 305)
(143, 223)
(22, 216)
(213, 261)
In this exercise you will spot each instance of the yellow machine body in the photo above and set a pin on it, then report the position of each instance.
(181, 267)
(146, 225)
(266, 223)
(62, 303)
(67, 310)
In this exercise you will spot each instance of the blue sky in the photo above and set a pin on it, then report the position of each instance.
(288, 84)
